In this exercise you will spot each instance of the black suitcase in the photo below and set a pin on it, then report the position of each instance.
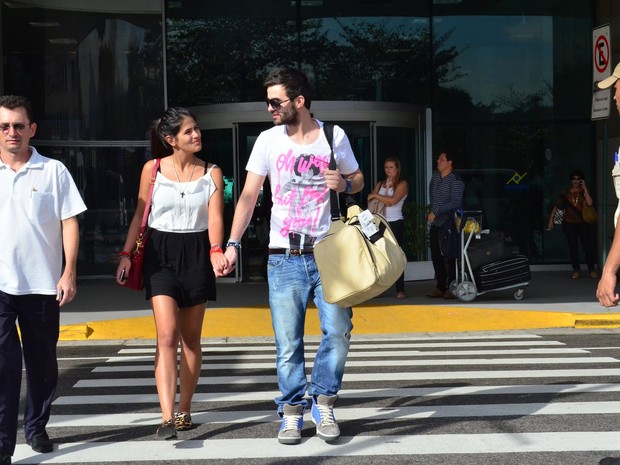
(489, 248)
(503, 273)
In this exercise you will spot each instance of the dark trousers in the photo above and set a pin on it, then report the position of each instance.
(398, 228)
(445, 269)
(575, 233)
(39, 318)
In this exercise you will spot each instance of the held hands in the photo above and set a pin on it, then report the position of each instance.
(229, 258)
(220, 263)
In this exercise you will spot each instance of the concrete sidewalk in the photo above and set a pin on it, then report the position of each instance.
(104, 311)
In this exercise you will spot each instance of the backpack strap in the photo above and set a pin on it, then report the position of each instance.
(328, 129)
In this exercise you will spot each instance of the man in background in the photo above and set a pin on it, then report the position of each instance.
(446, 195)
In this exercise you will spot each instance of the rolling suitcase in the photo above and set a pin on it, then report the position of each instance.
(503, 273)
(488, 248)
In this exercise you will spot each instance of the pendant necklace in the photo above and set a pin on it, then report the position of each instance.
(576, 198)
(178, 179)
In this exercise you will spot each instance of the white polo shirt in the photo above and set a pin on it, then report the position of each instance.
(33, 202)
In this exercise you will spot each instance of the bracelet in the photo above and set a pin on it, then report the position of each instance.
(216, 248)
(122, 254)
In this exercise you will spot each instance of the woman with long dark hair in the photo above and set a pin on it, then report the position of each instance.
(182, 252)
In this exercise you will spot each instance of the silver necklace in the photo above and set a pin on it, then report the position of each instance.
(178, 179)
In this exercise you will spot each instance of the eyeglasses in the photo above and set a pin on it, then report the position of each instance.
(19, 127)
(275, 103)
(577, 179)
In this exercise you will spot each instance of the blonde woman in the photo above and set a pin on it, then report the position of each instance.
(392, 191)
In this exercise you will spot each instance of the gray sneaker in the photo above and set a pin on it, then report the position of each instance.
(323, 417)
(292, 422)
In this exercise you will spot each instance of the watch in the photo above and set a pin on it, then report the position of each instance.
(235, 244)
(349, 186)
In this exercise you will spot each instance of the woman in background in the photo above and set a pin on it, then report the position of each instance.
(392, 192)
(575, 228)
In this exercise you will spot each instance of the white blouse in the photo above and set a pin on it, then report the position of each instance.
(181, 207)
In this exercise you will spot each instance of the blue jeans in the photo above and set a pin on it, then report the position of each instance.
(293, 280)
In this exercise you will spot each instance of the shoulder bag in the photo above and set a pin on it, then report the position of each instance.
(359, 258)
(377, 207)
(135, 278)
(589, 213)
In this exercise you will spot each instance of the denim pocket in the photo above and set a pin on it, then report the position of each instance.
(276, 261)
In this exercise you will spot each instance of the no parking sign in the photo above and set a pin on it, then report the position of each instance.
(601, 69)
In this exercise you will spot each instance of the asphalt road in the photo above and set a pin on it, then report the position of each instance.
(510, 398)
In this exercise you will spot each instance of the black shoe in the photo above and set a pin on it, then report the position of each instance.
(41, 443)
(5, 459)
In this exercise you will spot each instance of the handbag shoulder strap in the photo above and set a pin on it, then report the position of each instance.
(328, 129)
(147, 207)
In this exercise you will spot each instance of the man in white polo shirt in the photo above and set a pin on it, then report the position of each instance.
(38, 206)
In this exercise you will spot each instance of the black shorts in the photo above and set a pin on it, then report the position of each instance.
(178, 265)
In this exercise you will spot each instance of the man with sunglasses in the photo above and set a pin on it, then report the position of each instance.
(40, 201)
(295, 155)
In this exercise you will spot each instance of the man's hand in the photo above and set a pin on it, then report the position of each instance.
(335, 181)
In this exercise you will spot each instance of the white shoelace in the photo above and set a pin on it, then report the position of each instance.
(291, 422)
(327, 414)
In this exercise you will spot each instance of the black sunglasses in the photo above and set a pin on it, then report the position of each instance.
(275, 103)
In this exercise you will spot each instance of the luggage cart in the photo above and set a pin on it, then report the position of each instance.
(464, 287)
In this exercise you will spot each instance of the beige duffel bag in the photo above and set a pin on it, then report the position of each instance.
(355, 267)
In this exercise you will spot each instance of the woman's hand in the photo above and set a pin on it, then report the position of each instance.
(122, 271)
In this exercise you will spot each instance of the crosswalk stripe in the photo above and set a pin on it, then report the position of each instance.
(360, 346)
(350, 414)
(386, 363)
(374, 354)
(359, 377)
(381, 393)
(414, 445)
(361, 341)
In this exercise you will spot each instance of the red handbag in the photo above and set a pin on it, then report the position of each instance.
(135, 278)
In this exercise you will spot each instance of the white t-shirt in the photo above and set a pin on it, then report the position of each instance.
(33, 202)
(173, 212)
(300, 215)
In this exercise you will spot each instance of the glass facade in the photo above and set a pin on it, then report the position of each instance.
(94, 75)
(507, 84)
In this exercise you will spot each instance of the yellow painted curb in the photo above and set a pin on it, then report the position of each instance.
(256, 322)
(607, 320)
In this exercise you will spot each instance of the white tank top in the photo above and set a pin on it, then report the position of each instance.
(181, 206)
(394, 212)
